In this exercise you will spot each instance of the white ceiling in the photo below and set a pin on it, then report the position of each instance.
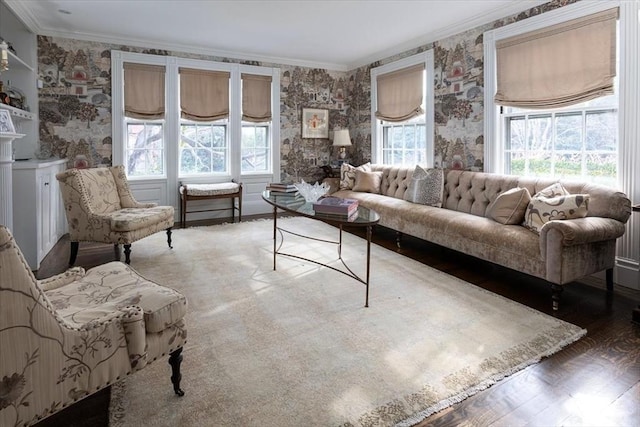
(333, 34)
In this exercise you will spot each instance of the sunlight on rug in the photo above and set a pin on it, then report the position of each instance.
(297, 347)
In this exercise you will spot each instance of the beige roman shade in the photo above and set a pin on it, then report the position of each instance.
(143, 91)
(557, 66)
(400, 94)
(256, 98)
(204, 94)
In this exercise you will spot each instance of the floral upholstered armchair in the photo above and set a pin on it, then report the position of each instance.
(66, 337)
(101, 208)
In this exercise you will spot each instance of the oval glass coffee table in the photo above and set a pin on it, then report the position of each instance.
(298, 206)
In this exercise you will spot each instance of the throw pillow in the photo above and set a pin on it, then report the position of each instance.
(348, 174)
(553, 190)
(426, 187)
(367, 182)
(510, 206)
(542, 210)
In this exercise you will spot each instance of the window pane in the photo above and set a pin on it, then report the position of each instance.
(602, 131)
(568, 165)
(516, 134)
(203, 148)
(569, 131)
(517, 162)
(255, 149)
(603, 168)
(538, 164)
(145, 149)
(539, 133)
(404, 143)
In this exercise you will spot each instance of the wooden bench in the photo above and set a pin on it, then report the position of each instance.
(225, 190)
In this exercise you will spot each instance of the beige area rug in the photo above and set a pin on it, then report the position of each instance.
(296, 347)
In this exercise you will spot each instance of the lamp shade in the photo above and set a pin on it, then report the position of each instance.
(341, 138)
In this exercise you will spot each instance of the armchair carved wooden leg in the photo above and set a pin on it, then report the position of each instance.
(74, 253)
(127, 254)
(556, 291)
(175, 359)
(169, 237)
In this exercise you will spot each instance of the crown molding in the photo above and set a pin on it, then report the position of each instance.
(23, 11)
(461, 27)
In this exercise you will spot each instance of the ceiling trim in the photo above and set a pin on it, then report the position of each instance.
(24, 13)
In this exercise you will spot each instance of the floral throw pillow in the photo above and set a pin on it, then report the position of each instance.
(544, 209)
(348, 174)
(426, 187)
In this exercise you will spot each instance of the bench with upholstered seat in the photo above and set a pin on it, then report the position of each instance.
(223, 190)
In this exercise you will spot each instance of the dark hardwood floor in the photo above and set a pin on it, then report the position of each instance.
(593, 382)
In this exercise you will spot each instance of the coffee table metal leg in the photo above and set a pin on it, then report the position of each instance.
(366, 300)
(275, 227)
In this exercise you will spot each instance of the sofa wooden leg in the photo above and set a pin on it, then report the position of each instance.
(74, 253)
(127, 254)
(175, 359)
(169, 237)
(399, 239)
(609, 279)
(556, 291)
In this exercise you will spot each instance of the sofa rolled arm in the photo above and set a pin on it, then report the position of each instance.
(62, 279)
(581, 230)
(333, 183)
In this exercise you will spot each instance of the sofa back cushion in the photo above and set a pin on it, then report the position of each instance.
(473, 192)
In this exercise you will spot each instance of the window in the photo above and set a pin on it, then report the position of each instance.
(574, 142)
(579, 142)
(255, 147)
(404, 143)
(144, 148)
(203, 148)
(402, 105)
(171, 131)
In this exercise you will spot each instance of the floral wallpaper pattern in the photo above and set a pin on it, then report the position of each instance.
(75, 102)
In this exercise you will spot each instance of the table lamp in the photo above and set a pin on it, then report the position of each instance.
(341, 139)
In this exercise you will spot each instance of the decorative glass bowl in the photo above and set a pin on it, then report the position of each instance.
(312, 192)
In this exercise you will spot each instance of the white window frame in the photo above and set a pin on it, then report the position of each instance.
(627, 271)
(427, 59)
(172, 115)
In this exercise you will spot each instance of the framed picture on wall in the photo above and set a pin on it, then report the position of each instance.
(315, 123)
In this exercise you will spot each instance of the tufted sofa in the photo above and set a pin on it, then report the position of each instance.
(66, 337)
(565, 250)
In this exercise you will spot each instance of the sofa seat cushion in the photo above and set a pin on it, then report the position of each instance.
(87, 300)
(456, 230)
(131, 219)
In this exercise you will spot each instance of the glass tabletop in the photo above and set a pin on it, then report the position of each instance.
(298, 205)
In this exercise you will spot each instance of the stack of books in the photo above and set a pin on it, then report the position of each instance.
(336, 206)
(283, 189)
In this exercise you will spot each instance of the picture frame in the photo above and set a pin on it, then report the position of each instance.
(315, 123)
(6, 124)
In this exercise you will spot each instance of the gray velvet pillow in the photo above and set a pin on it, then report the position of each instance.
(510, 206)
(368, 182)
(426, 187)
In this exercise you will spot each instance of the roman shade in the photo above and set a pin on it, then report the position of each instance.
(204, 94)
(400, 94)
(256, 98)
(143, 91)
(560, 65)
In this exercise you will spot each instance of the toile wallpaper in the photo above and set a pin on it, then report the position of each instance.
(75, 101)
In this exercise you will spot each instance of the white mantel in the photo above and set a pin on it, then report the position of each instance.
(6, 183)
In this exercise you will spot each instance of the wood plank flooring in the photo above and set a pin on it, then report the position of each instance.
(593, 382)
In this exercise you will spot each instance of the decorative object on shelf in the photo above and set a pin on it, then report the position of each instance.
(15, 97)
(4, 97)
(6, 124)
(81, 162)
(312, 192)
(315, 123)
(4, 56)
(341, 139)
